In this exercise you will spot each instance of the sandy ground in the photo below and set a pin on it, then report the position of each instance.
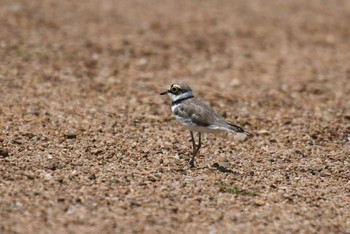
(87, 145)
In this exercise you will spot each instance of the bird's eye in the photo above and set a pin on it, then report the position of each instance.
(174, 89)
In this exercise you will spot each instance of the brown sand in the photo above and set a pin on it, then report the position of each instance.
(87, 145)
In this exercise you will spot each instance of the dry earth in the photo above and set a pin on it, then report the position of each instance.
(87, 145)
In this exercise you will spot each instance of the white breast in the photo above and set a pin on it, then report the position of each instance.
(173, 107)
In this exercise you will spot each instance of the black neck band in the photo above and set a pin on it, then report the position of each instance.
(180, 100)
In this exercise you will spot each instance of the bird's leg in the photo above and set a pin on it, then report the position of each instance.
(193, 143)
(196, 148)
(199, 141)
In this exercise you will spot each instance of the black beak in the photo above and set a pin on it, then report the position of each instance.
(164, 92)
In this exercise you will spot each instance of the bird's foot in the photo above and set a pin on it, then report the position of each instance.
(191, 163)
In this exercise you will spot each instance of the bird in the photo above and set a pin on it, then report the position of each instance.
(197, 116)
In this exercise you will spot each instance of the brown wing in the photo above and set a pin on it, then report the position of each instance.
(198, 112)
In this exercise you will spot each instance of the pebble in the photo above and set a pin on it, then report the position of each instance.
(240, 137)
(71, 136)
(263, 132)
(47, 176)
(4, 153)
(259, 202)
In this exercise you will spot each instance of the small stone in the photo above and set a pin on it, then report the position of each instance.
(259, 202)
(263, 132)
(30, 177)
(114, 181)
(235, 83)
(92, 177)
(71, 136)
(47, 176)
(240, 137)
(152, 178)
(97, 151)
(4, 153)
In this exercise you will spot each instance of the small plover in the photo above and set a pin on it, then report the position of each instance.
(197, 116)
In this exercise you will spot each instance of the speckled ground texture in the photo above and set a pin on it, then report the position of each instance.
(87, 144)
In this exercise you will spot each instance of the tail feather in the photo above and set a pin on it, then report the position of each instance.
(238, 129)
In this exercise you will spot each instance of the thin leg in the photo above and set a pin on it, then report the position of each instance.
(199, 142)
(193, 143)
(196, 148)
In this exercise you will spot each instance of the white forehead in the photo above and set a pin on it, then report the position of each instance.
(176, 85)
(180, 86)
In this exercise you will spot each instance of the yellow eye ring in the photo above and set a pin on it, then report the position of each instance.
(174, 89)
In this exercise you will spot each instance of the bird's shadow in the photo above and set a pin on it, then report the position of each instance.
(221, 168)
(216, 166)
